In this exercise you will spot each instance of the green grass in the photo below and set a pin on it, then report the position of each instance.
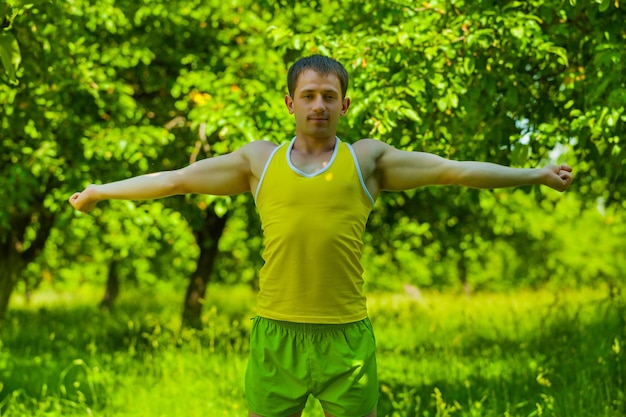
(541, 353)
(520, 354)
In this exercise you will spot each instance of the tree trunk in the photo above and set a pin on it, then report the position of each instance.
(14, 258)
(8, 278)
(112, 287)
(207, 238)
(462, 269)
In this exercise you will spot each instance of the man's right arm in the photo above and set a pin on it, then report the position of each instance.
(221, 175)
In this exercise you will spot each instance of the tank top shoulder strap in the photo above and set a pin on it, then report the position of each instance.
(360, 174)
(267, 164)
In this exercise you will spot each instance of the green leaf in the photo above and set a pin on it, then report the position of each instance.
(604, 5)
(518, 32)
(453, 100)
(561, 54)
(10, 55)
(442, 104)
(469, 64)
(409, 114)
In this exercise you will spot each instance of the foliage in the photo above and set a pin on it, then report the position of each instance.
(523, 243)
(440, 354)
(95, 92)
(102, 97)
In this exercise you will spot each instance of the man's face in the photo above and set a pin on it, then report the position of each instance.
(317, 104)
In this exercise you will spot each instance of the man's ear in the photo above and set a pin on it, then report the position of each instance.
(345, 106)
(289, 103)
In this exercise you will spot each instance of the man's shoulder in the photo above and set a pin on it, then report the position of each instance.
(257, 153)
(259, 149)
(260, 145)
(368, 153)
(369, 149)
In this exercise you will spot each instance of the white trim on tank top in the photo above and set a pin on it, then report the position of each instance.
(267, 165)
(335, 151)
(316, 173)
(358, 170)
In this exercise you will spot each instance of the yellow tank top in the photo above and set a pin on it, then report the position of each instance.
(312, 229)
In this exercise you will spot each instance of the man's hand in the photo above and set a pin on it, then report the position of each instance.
(558, 177)
(86, 200)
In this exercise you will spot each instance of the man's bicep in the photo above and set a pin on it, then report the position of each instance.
(220, 175)
(403, 170)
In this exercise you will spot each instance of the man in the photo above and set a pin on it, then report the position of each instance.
(312, 335)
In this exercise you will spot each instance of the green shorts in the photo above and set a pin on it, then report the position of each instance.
(336, 363)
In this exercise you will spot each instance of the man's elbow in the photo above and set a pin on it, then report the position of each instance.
(458, 173)
(452, 175)
(174, 183)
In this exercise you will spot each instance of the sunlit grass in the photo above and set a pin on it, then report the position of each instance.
(525, 353)
(532, 353)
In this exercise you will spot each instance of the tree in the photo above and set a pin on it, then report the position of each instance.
(487, 81)
(103, 92)
(121, 92)
(33, 162)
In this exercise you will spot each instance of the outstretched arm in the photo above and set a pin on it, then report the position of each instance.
(488, 175)
(396, 170)
(220, 175)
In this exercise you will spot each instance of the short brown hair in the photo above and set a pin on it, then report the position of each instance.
(320, 64)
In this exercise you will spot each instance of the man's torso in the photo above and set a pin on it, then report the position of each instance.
(366, 152)
(312, 226)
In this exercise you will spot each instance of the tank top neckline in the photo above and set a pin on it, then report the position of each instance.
(318, 172)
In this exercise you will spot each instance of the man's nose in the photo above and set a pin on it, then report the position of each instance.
(318, 104)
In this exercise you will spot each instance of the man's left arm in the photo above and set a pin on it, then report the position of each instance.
(489, 175)
(401, 170)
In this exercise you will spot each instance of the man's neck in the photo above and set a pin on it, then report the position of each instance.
(314, 146)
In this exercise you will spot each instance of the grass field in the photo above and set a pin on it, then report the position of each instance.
(541, 353)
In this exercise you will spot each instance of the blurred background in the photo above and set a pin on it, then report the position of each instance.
(487, 302)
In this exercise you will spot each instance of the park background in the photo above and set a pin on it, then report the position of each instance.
(485, 303)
